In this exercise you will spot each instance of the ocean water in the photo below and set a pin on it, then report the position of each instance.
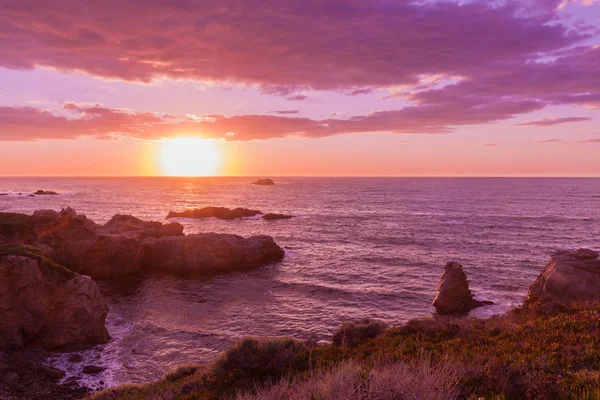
(359, 247)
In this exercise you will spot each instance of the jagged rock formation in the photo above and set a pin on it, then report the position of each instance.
(570, 276)
(45, 304)
(454, 296)
(274, 217)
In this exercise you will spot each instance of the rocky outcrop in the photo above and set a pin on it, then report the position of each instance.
(275, 217)
(208, 253)
(101, 256)
(129, 225)
(454, 296)
(125, 243)
(570, 276)
(46, 192)
(263, 182)
(216, 212)
(42, 303)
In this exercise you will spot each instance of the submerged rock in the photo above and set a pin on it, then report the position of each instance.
(570, 276)
(263, 182)
(216, 212)
(454, 296)
(274, 217)
(45, 304)
(209, 253)
(92, 369)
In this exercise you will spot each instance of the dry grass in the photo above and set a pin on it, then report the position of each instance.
(387, 381)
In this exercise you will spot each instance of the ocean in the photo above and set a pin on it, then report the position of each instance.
(358, 247)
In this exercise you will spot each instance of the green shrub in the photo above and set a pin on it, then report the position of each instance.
(252, 361)
(353, 333)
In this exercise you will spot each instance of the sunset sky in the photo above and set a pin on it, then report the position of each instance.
(306, 87)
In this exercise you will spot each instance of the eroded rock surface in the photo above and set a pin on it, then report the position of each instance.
(570, 276)
(47, 305)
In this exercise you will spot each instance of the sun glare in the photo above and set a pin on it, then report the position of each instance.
(190, 157)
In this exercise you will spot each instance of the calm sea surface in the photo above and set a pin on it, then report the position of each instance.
(360, 247)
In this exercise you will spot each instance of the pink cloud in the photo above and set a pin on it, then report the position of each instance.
(554, 121)
(28, 123)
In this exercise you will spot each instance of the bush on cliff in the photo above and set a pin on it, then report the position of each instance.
(352, 333)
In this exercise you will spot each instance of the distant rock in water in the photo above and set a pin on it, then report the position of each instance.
(454, 296)
(216, 212)
(45, 304)
(570, 276)
(274, 217)
(45, 192)
(263, 182)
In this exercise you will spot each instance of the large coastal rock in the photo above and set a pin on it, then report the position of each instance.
(131, 226)
(101, 256)
(208, 253)
(216, 212)
(570, 276)
(454, 296)
(42, 303)
(125, 243)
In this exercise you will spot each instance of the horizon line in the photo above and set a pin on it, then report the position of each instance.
(300, 176)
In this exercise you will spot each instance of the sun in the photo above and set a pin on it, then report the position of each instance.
(190, 157)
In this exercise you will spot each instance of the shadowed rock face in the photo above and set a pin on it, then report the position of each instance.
(263, 182)
(217, 212)
(454, 296)
(209, 253)
(48, 308)
(570, 276)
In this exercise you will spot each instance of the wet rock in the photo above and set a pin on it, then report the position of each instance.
(216, 212)
(209, 253)
(75, 358)
(45, 304)
(68, 212)
(274, 217)
(52, 373)
(45, 192)
(92, 369)
(263, 182)
(569, 277)
(454, 296)
(11, 380)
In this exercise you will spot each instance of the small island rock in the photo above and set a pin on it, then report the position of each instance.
(45, 192)
(216, 212)
(263, 182)
(274, 217)
(454, 296)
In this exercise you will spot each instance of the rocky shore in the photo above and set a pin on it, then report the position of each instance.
(542, 350)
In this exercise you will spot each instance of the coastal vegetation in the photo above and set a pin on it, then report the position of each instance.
(533, 352)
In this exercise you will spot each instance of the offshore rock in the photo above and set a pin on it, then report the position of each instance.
(45, 304)
(263, 182)
(131, 226)
(275, 217)
(208, 253)
(216, 212)
(454, 296)
(570, 276)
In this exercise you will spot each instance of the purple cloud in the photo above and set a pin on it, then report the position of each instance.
(298, 97)
(554, 121)
(286, 112)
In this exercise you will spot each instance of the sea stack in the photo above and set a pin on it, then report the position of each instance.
(569, 277)
(454, 296)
